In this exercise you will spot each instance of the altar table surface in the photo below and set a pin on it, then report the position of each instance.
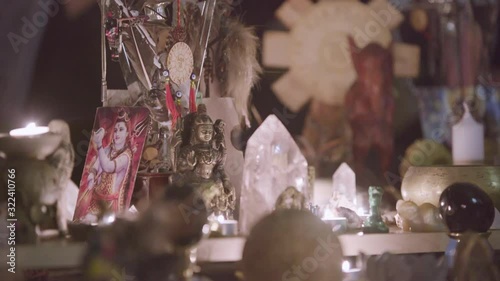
(65, 254)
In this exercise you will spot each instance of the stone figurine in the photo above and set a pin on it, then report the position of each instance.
(370, 104)
(201, 159)
(291, 198)
(374, 223)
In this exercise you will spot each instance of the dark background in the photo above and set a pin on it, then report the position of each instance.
(66, 78)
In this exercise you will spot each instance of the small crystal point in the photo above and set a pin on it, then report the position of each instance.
(344, 187)
(273, 162)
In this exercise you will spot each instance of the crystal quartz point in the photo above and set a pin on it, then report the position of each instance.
(273, 162)
(344, 188)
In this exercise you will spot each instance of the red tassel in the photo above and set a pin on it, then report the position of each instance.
(192, 98)
(171, 105)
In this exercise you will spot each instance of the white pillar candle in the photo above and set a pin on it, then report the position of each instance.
(468, 140)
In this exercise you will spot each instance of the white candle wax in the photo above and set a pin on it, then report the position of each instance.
(468, 140)
(28, 131)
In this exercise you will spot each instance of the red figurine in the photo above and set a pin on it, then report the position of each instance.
(370, 104)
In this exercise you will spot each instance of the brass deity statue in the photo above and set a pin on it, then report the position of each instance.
(201, 158)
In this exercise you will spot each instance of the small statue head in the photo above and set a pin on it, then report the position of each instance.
(375, 193)
(203, 127)
(219, 126)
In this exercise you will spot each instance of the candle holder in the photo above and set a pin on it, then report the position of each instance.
(40, 163)
(220, 227)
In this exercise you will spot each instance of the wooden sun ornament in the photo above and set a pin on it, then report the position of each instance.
(316, 50)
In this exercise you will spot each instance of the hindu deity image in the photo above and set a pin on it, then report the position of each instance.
(112, 162)
(201, 160)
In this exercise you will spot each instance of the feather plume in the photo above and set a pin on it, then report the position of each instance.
(237, 67)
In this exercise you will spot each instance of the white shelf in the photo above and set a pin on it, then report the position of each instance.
(68, 255)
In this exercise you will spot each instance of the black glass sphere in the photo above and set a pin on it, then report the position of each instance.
(466, 207)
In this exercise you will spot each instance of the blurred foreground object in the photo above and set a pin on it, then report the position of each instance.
(465, 208)
(474, 259)
(157, 246)
(291, 244)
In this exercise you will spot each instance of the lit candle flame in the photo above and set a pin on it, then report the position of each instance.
(30, 130)
(346, 266)
(221, 219)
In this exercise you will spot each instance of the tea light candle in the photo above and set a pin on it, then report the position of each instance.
(350, 274)
(337, 224)
(229, 227)
(468, 140)
(29, 131)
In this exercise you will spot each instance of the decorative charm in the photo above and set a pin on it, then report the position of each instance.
(112, 162)
(179, 33)
(192, 94)
(291, 198)
(374, 223)
(171, 106)
(180, 63)
(114, 36)
(201, 164)
(273, 162)
(370, 105)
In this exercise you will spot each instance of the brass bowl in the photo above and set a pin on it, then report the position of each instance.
(425, 184)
